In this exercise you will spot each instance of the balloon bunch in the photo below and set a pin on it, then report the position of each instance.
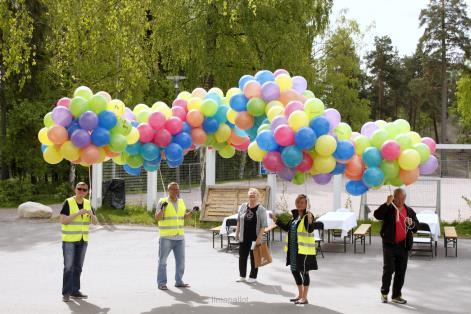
(388, 153)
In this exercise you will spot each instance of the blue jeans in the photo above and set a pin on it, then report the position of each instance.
(178, 247)
(74, 255)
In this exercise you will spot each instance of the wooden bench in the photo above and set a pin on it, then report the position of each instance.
(216, 231)
(451, 237)
(360, 234)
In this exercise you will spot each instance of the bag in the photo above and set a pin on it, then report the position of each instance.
(262, 255)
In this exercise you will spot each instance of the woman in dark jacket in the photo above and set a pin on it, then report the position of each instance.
(300, 248)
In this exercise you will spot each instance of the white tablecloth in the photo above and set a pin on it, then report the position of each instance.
(344, 221)
(431, 219)
(223, 226)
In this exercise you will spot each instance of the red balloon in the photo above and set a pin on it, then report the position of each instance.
(243, 147)
(284, 135)
(273, 162)
(157, 120)
(179, 112)
(306, 163)
(174, 125)
(162, 138)
(146, 133)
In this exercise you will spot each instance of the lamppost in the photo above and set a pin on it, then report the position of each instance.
(176, 80)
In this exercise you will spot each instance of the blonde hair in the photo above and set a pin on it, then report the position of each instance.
(172, 184)
(254, 190)
(303, 196)
(81, 183)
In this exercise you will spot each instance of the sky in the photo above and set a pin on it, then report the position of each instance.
(397, 18)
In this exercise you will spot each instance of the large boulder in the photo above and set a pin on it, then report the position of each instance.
(34, 210)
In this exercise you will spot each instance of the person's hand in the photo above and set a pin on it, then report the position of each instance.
(237, 235)
(274, 218)
(258, 242)
(83, 211)
(409, 221)
(390, 199)
(310, 218)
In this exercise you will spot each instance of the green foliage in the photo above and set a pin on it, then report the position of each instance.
(14, 192)
(463, 106)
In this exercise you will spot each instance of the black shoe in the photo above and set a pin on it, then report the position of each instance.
(399, 300)
(66, 298)
(294, 300)
(301, 302)
(78, 295)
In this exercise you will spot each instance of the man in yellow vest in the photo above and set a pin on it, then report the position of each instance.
(75, 218)
(170, 216)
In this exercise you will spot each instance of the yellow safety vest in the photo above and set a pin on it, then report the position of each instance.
(78, 228)
(173, 220)
(306, 241)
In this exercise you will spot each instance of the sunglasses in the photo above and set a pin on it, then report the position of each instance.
(82, 190)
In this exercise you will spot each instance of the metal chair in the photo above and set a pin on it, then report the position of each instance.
(423, 239)
(231, 234)
(319, 235)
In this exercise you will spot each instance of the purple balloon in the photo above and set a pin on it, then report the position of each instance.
(333, 116)
(80, 138)
(430, 166)
(88, 120)
(368, 128)
(128, 114)
(270, 91)
(299, 84)
(286, 174)
(279, 120)
(62, 116)
(322, 178)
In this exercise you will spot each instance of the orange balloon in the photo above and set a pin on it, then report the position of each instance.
(353, 176)
(194, 118)
(236, 139)
(198, 135)
(289, 95)
(409, 177)
(57, 134)
(252, 89)
(110, 153)
(244, 120)
(90, 154)
(355, 166)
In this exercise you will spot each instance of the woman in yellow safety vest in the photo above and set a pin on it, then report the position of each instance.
(300, 246)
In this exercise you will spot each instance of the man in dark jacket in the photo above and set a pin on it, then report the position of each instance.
(399, 221)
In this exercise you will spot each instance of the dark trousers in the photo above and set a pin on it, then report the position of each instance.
(74, 255)
(395, 261)
(244, 251)
(301, 278)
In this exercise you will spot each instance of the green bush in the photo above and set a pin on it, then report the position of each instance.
(14, 192)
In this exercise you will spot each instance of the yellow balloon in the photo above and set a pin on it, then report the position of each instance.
(409, 159)
(255, 152)
(273, 103)
(140, 108)
(274, 112)
(284, 81)
(232, 91)
(223, 133)
(184, 95)
(226, 101)
(43, 138)
(69, 151)
(102, 155)
(314, 107)
(324, 164)
(227, 151)
(194, 103)
(297, 120)
(381, 123)
(121, 159)
(117, 106)
(231, 115)
(216, 90)
(52, 155)
(326, 145)
(415, 137)
(199, 92)
(343, 131)
(157, 106)
(133, 136)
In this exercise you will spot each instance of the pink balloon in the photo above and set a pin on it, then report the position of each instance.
(390, 150)
(333, 116)
(146, 133)
(180, 103)
(284, 135)
(252, 89)
(306, 163)
(277, 121)
(243, 147)
(272, 162)
(157, 120)
(174, 125)
(63, 102)
(162, 138)
(430, 142)
(293, 106)
(179, 112)
(280, 71)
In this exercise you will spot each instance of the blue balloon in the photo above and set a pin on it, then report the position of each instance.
(154, 162)
(134, 149)
(214, 96)
(73, 126)
(339, 168)
(264, 76)
(239, 102)
(232, 126)
(149, 151)
(260, 120)
(100, 137)
(210, 125)
(183, 139)
(344, 151)
(266, 141)
(43, 147)
(151, 167)
(356, 187)
(175, 163)
(221, 114)
(135, 124)
(291, 156)
(186, 127)
(244, 79)
(373, 176)
(305, 138)
(173, 152)
(372, 157)
(132, 171)
(107, 119)
(320, 125)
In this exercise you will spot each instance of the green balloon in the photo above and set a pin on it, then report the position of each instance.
(48, 122)
(404, 141)
(256, 107)
(218, 146)
(84, 92)
(263, 127)
(142, 117)
(97, 103)
(378, 138)
(209, 107)
(361, 143)
(210, 140)
(308, 94)
(392, 130)
(396, 181)
(78, 105)
(299, 178)
(402, 125)
(123, 127)
(390, 169)
(424, 152)
(117, 143)
(227, 151)
(135, 161)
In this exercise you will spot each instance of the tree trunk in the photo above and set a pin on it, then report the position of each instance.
(3, 108)
(243, 161)
(202, 152)
(72, 177)
(444, 138)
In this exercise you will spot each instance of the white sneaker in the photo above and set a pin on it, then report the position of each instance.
(241, 279)
(251, 280)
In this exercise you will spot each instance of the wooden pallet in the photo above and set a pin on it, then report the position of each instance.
(223, 201)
